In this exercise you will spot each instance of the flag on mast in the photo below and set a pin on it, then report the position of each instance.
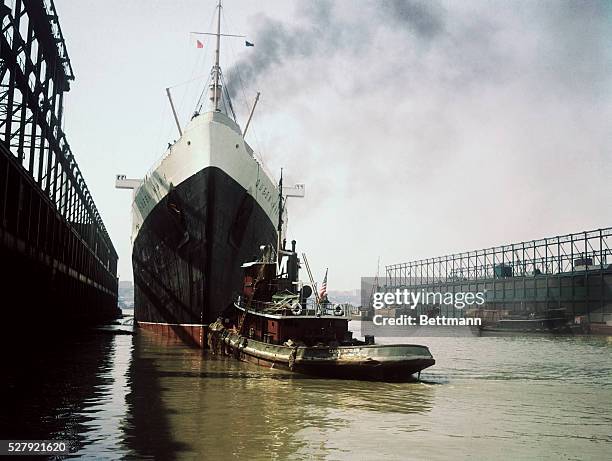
(199, 44)
(323, 289)
(247, 43)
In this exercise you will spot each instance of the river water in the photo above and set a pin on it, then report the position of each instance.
(137, 397)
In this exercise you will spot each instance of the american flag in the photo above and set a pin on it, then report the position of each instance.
(323, 289)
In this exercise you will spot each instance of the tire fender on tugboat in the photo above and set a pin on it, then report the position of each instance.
(292, 357)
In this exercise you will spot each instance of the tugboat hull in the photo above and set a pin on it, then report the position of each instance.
(365, 362)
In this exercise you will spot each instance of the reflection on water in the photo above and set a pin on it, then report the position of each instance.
(222, 407)
(137, 398)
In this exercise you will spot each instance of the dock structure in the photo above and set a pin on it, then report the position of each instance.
(571, 272)
(58, 260)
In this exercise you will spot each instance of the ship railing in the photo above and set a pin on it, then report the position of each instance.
(295, 308)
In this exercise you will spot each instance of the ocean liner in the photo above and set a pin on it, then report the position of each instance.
(205, 208)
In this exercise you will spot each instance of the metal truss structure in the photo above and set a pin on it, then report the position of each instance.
(571, 271)
(47, 213)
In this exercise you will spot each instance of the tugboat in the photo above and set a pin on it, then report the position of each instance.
(552, 321)
(275, 323)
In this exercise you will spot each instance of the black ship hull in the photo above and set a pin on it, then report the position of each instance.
(188, 252)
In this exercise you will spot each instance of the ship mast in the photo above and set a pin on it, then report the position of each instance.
(217, 68)
(216, 93)
(279, 239)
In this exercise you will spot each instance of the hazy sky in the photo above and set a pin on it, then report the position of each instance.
(419, 128)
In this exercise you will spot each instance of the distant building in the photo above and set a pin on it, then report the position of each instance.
(126, 295)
